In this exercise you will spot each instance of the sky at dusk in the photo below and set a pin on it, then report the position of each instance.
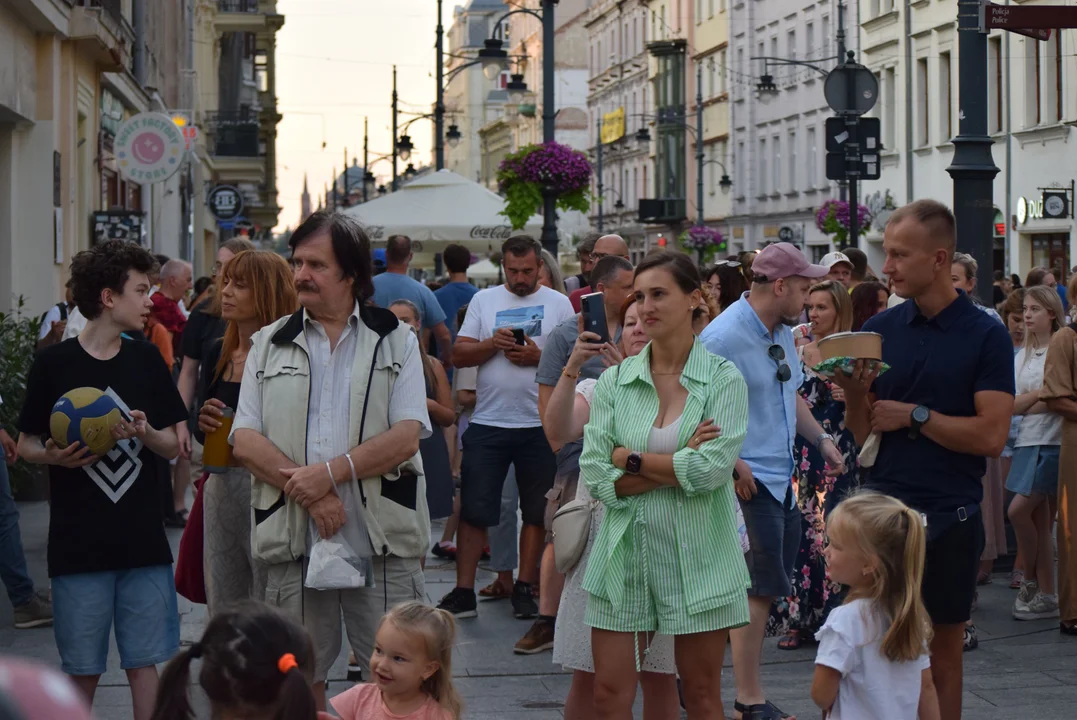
(334, 66)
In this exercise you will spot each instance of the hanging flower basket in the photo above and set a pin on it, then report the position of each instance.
(525, 175)
(833, 219)
(706, 241)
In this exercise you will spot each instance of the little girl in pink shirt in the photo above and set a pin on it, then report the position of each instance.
(411, 669)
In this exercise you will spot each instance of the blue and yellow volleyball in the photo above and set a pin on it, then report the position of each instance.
(85, 415)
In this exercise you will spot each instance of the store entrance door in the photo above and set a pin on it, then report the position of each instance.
(1051, 251)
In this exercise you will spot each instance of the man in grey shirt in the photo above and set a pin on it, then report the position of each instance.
(611, 276)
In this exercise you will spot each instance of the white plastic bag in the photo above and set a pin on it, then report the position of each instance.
(341, 562)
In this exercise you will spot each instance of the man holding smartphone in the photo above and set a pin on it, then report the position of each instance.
(612, 278)
(505, 428)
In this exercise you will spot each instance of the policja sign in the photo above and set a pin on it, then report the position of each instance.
(225, 202)
(149, 148)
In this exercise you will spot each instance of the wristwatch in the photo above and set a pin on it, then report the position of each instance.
(919, 416)
(823, 436)
(634, 463)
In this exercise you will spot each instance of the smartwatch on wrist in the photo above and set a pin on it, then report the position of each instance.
(634, 463)
(919, 416)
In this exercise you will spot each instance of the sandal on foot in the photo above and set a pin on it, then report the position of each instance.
(495, 591)
(792, 641)
(984, 578)
(1067, 629)
(762, 711)
(1017, 579)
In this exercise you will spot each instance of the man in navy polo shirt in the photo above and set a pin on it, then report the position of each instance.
(942, 408)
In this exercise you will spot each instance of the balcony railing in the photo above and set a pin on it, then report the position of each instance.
(237, 6)
(234, 133)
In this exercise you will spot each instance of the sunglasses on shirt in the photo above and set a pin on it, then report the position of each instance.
(777, 354)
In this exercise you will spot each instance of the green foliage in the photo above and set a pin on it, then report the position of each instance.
(522, 200)
(18, 341)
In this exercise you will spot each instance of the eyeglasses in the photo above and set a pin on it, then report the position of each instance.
(728, 263)
(777, 354)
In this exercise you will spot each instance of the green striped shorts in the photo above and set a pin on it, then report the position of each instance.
(654, 598)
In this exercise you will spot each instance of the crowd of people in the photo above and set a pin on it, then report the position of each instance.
(651, 456)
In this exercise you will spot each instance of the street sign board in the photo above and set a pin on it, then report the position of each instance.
(1027, 17)
(225, 202)
(149, 148)
(851, 88)
(863, 159)
(786, 233)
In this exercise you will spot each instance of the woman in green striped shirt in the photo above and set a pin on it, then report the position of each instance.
(667, 558)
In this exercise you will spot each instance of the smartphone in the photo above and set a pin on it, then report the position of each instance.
(593, 309)
(518, 333)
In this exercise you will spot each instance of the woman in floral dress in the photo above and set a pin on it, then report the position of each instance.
(798, 616)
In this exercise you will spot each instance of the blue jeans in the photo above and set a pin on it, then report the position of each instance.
(20, 588)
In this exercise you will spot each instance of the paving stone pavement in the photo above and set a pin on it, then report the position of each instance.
(1021, 669)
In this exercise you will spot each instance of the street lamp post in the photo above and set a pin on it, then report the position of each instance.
(366, 160)
(394, 127)
(494, 59)
(439, 107)
(598, 167)
(973, 170)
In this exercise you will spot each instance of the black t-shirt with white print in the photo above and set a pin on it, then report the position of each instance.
(106, 516)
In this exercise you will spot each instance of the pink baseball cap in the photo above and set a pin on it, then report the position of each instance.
(784, 260)
(40, 693)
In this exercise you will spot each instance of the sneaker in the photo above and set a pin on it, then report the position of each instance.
(1041, 607)
(1024, 597)
(538, 639)
(355, 673)
(971, 641)
(524, 606)
(35, 613)
(460, 603)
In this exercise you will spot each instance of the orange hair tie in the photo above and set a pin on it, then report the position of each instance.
(287, 662)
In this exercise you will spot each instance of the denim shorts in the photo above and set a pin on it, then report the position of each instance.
(774, 530)
(1034, 470)
(142, 604)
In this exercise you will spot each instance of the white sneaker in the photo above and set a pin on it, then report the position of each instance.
(1024, 596)
(1041, 607)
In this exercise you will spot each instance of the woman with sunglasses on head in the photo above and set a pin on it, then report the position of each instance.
(668, 557)
(814, 595)
(725, 281)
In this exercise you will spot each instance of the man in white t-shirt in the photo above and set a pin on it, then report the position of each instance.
(503, 334)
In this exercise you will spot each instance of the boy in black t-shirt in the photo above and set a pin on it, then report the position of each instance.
(108, 555)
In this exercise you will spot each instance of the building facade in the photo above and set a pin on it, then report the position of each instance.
(777, 139)
(77, 69)
(1032, 108)
(471, 100)
(618, 105)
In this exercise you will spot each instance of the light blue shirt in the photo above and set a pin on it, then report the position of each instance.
(390, 287)
(740, 336)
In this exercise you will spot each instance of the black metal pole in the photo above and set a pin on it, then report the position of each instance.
(973, 168)
(366, 150)
(336, 198)
(439, 108)
(699, 143)
(344, 198)
(601, 187)
(852, 126)
(842, 184)
(394, 128)
(549, 114)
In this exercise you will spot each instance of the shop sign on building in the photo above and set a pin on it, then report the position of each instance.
(149, 148)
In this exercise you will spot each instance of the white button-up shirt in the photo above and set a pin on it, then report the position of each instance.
(329, 406)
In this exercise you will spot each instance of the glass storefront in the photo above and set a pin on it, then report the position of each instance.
(1051, 250)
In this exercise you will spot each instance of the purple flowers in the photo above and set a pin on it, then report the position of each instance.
(701, 237)
(525, 175)
(833, 218)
